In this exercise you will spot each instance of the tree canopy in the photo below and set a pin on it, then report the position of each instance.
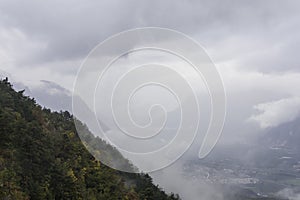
(42, 157)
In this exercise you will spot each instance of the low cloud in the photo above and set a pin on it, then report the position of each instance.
(274, 113)
(289, 194)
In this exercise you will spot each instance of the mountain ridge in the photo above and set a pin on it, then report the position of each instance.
(42, 157)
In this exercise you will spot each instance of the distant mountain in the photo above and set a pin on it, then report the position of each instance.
(42, 157)
(46, 93)
(263, 169)
(285, 136)
(279, 147)
(53, 96)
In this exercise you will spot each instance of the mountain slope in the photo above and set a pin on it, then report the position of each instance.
(286, 136)
(42, 157)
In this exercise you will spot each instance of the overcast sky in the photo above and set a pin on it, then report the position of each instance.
(255, 45)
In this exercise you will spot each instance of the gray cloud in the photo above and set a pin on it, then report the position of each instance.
(277, 112)
(70, 29)
(254, 43)
(49, 40)
(241, 37)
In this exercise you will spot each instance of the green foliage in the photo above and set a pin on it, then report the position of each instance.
(42, 157)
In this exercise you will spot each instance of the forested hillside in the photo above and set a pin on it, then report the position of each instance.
(42, 157)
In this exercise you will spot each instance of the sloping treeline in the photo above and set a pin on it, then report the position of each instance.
(42, 157)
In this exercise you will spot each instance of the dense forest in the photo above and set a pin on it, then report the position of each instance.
(42, 157)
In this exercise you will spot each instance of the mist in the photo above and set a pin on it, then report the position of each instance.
(253, 45)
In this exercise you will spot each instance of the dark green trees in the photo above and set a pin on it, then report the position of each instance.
(42, 157)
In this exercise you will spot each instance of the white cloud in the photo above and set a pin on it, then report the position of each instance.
(289, 194)
(276, 112)
(17, 48)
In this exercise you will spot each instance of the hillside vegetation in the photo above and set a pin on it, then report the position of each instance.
(42, 157)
